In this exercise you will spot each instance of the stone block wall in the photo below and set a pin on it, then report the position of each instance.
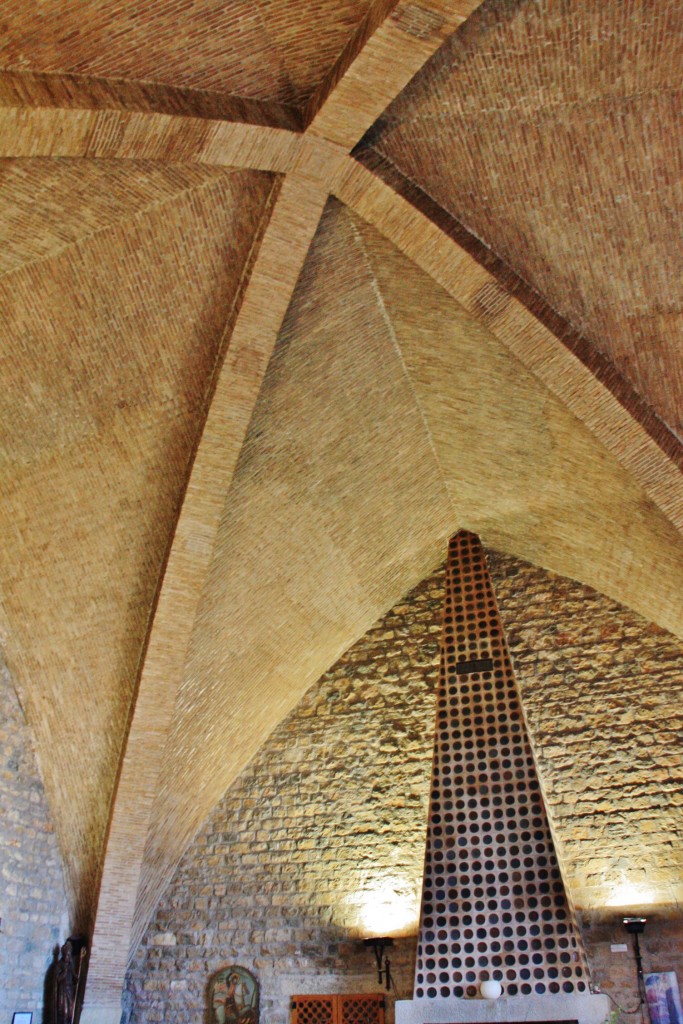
(602, 690)
(330, 817)
(32, 900)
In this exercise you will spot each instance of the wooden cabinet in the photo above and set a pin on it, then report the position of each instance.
(366, 1008)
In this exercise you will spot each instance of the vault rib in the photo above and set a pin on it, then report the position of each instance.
(285, 244)
(139, 135)
(364, 83)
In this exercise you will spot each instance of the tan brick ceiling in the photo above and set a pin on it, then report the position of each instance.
(552, 132)
(111, 333)
(195, 531)
(267, 51)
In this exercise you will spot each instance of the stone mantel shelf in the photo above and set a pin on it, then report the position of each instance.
(586, 1009)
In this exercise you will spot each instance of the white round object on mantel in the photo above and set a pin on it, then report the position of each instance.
(490, 989)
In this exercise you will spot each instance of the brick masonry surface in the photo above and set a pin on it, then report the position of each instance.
(333, 809)
(32, 900)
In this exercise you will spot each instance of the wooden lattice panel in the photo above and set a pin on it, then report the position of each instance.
(362, 1009)
(367, 1008)
(312, 1010)
(493, 901)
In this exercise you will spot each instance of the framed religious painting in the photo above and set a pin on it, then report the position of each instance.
(234, 996)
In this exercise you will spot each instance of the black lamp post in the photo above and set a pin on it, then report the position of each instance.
(635, 926)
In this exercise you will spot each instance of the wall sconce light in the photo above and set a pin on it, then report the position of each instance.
(635, 926)
(383, 966)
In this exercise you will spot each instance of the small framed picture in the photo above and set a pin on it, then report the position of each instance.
(663, 998)
(22, 1017)
(234, 997)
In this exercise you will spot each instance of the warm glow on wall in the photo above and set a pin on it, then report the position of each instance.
(631, 894)
(389, 906)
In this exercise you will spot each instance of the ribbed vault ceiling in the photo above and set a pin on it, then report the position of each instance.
(242, 418)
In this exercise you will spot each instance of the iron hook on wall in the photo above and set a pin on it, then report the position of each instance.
(379, 945)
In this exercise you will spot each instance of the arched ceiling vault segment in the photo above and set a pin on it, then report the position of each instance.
(377, 431)
(526, 337)
(117, 135)
(387, 47)
(114, 319)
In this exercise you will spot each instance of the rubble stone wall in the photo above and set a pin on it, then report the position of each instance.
(32, 900)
